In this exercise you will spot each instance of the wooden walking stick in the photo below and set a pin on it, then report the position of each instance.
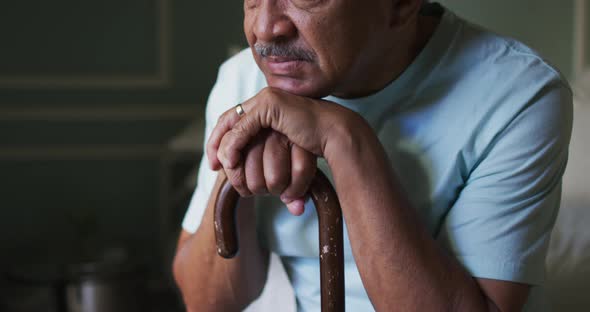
(330, 230)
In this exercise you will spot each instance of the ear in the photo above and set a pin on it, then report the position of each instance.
(404, 12)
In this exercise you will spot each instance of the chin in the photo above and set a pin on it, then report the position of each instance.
(306, 88)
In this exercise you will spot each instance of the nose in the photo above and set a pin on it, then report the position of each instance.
(272, 24)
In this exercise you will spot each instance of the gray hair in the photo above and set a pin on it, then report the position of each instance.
(283, 49)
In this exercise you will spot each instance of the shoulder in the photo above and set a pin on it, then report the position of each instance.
(501, 90)
(506, 78)
(503, 58)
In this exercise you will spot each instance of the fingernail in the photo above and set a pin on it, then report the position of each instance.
(296, 207)
(286, 199)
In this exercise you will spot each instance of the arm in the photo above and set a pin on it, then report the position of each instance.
(416, 274)
(211, 283)
(400, 263)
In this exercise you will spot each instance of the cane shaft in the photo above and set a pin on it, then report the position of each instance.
(331, 250)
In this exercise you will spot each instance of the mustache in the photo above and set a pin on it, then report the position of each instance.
(283, 50)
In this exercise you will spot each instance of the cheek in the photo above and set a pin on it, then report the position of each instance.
(336, 51)
(351, 44)
(248, 28)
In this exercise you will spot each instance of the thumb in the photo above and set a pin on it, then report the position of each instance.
(296, 207)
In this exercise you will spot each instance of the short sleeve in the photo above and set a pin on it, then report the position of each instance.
(500, 225)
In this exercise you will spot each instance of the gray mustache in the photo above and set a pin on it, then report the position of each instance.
(283, 50)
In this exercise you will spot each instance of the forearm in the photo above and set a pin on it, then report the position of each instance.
(399, 262)
(210, 283)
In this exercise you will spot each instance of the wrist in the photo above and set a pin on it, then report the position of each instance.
(358, 161)
(347, 138)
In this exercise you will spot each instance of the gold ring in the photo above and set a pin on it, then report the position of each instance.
(240, 110)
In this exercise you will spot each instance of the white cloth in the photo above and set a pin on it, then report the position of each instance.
(568, 261)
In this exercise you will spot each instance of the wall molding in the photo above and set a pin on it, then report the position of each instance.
(581, 64)
(160, 79)
(82, 152)
(137, 112)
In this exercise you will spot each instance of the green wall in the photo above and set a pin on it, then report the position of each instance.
(90, 92)
(545, 25)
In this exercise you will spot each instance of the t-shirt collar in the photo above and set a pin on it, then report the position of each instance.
(416, 74)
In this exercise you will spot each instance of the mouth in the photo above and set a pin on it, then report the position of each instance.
(284, 65)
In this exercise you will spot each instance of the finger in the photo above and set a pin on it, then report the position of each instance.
(296, 207)
(277, 163)
(237, 178)
(303, 168)
(224, 124)
(235, 140)
(253, 168)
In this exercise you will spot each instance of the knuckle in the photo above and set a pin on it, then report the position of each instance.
(301, 170)
(222, 153)
(222, 117)
(281, 140)
(276, 181)
(298, 169)
(256, 186)
(273, 178)
(237, 180)
(236, 131)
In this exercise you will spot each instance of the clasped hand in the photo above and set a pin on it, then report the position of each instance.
(273, 147)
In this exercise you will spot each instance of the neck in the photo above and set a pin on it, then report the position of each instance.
(394, 59)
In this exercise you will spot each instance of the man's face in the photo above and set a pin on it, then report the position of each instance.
(314, 47)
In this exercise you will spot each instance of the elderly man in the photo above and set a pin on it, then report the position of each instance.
(446, 145)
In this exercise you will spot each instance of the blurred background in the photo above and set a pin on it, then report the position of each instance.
(101, 119)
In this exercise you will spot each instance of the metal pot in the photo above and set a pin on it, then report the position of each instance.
(105, 287)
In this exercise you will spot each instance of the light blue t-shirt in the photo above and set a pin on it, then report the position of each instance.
(476, 128)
